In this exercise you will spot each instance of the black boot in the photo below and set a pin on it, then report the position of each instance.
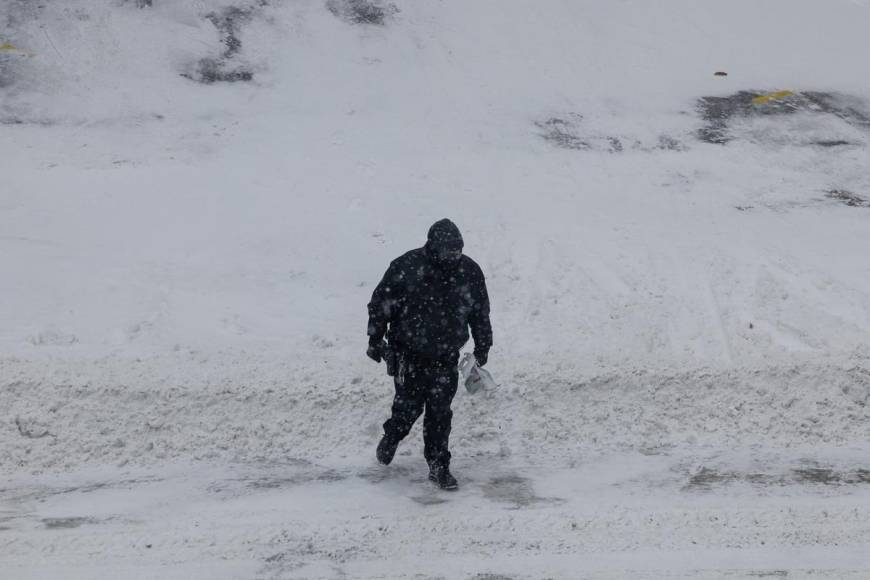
(386, 450)
(440, 474)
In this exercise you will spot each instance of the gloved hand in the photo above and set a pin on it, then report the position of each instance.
(376, 350)
(481, 356)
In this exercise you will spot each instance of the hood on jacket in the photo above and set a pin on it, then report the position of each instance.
(444, 243)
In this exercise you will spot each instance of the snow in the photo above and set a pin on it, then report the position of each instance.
(186, 267)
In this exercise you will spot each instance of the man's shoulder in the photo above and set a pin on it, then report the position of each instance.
(412, 259)
(470, 266)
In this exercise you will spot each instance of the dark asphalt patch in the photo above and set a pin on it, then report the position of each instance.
(516, 491)
(122, 484)
(428, 500)
(718, 113)
(41, 493)
(327, 476)
(379, 474)
(362, 11)
(833, 143)
(706, 479)
(66, 523)
(827, 476)
(6, 119)
(290, 473)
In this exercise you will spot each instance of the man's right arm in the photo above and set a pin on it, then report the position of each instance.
(384, 302)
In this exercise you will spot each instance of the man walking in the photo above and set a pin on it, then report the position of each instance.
(423, 306)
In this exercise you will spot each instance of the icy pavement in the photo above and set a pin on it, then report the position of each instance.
(686, 514)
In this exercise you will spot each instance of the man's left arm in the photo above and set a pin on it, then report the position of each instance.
(481, 329)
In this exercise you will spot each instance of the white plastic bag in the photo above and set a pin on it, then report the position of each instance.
(474, 377)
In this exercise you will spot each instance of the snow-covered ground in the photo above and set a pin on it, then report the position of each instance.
(679, 279)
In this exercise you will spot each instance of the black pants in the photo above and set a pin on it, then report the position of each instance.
(424, 383)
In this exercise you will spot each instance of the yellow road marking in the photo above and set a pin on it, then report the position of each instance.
(764, 99)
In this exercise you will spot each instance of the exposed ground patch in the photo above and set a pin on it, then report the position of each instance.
(568, 131)
(362, 11)
(226, 67)
(721, 113)
(563, 132)
(847, 197)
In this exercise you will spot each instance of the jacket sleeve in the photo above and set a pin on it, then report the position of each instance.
(481, 329)
(384, 302)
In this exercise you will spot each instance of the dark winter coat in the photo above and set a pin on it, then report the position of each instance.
(426, 308)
